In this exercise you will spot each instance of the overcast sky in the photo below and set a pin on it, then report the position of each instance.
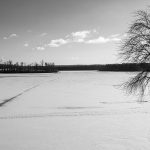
(64, 31)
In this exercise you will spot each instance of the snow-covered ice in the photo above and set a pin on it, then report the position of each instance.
(71, 111)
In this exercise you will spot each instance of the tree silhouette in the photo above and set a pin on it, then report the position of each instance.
(135, 48)
(10, 67)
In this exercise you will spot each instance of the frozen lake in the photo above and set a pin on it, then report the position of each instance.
(71, 111)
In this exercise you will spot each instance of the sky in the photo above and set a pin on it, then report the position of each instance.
(65, 32)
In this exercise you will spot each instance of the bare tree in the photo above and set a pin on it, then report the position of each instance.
(136, 49)
(42, 62)
(9, 62)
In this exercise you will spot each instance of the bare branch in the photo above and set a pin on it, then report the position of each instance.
(135, 48)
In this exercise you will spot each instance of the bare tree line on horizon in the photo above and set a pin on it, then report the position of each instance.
(22, 67)
(42, 63)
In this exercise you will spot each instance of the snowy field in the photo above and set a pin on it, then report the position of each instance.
(71, 111)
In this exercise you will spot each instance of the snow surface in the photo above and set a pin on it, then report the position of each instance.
(71, 111)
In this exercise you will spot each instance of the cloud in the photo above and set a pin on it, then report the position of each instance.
(57, 42)
(26, 45)
(10, 36)
(116, 39)
(80, 34)
(40, 48)
(118, 36)
(5, 38)
(95, 31)
(78, 37)
(89, 37)
(101, 40)
(115, 35)
(98, 40)
(84, 37)
(13, 35)
(43, 34)
(124, 35)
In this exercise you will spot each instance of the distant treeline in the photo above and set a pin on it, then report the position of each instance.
(107, 67)
(43, 67)
(125, 67)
